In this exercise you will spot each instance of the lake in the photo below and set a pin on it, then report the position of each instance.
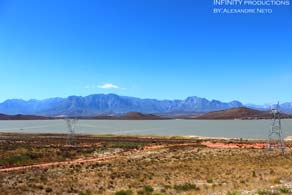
(209, 128)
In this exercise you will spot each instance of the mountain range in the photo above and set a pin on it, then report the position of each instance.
(112, 104)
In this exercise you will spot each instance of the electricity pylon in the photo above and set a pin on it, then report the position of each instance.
(276, 131)
(71, 123)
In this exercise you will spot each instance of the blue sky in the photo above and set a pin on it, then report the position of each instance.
(165, 49)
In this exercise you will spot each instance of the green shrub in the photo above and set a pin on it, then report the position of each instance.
(124, 192)
(265, 192)
(148, 189)
(185, 187)
(284, 190)
(140, 192)
(85, 193)
(209, 180)
(19, 159)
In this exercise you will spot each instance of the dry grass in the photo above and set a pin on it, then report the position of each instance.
(176, 170)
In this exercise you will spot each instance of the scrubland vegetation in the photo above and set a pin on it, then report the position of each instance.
(188, 169)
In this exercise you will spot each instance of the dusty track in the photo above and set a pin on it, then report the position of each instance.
(234, 145)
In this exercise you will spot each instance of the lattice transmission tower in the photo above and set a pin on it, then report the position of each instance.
(276, 131)
(71, 124)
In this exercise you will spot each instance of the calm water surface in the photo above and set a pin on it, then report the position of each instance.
(209, 128)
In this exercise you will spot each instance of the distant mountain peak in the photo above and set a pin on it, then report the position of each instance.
(97, 104)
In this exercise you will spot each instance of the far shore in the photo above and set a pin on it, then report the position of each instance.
(150, 137)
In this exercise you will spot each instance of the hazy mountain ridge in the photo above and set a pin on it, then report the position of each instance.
(240, 113)
(22, 117)
(114, 104)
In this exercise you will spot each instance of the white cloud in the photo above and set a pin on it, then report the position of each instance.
(105, 86)
(108, 86)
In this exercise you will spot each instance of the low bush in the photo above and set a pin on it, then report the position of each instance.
(209, 180)
(186, 187)
(265, 192)
(284, 190)
(147, 190)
